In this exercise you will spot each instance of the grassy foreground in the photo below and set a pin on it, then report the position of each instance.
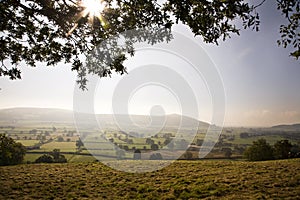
(181, 180)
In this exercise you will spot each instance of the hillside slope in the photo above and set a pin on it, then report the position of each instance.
(181, 180)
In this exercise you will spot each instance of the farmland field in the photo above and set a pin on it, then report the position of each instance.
(181, 180)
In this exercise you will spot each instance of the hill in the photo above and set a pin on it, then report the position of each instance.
(21, 116)
(287, 127)
(180, 180)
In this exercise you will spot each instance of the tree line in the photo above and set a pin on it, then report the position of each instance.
(261, 150)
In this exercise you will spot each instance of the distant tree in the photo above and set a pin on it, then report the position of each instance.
(199, 142)
(154, 147)
(120, 153)
(239, 149)
(71, 133)
(295, 151)
(54, 129)
(159, 143)
(227, 152)
(130, 141)
(167, 141)
(171, 145)
(182, 144)
(259, 150)
(57, 156)
(43, 138)
(11, 152)
(167, 135)
(156, 156)
(46, 158)
(60, 139)
(111, 140)
(33, 131)
(231, 138)
(187, 155)
(149, 141)
(244, 135)
(282, 149)
(79, 143)
(125, 147)
(137, 155)
(53, 157)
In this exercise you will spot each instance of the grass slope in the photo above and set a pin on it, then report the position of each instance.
(181, 180)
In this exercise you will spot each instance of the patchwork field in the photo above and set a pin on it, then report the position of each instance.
(181, 180)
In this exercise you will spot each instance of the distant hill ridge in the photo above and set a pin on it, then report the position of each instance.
(67, 116)
(285, 126)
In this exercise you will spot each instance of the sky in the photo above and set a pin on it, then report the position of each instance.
(261, 82)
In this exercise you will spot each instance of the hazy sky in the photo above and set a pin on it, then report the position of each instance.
(261, 81)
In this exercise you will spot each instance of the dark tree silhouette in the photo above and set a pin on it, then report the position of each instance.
(227, 152)
(60, 31)
(259, 150)
(53, 157)
(282, 149)
(156, 156)
(137, 155)
(11, 152)
(154, 147)
(79, 143)
(46, 158)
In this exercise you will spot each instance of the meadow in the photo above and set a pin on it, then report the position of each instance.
(205, 179)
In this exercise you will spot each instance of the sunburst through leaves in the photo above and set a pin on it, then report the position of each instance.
(93, 9)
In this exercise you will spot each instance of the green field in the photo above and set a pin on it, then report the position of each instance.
(63, 146)
(181, 180)
(28, 142)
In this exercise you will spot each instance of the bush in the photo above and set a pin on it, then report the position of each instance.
(11, 152)
(46, 158)
(260, 150)
(53, 157)
(156, 156)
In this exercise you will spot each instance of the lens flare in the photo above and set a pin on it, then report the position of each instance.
(92, 9)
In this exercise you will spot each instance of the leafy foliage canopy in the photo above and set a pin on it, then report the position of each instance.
(37, 30)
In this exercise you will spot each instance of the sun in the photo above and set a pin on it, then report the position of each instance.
(93, 8)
